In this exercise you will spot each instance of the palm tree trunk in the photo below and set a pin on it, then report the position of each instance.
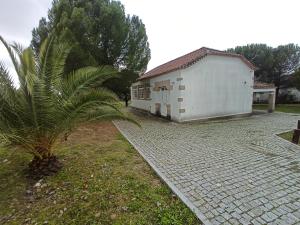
(44, 165)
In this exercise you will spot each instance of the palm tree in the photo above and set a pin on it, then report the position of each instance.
(48, 103)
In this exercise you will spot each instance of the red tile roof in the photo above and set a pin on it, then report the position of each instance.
(261, 85)
(189, 59)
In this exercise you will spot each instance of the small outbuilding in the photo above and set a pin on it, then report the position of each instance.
(203, 84)
(265, 92)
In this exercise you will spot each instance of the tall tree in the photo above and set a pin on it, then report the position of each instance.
(295, 79)
(40, 34)
(121, 85)
(101, 30)
(275, 65)
(286, 62)
(260, 55)
(48, 104)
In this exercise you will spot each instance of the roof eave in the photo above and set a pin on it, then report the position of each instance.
(247, 62)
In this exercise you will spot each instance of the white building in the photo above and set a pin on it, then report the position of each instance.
(203, 84)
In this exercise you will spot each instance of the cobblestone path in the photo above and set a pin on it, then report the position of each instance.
(227, 172)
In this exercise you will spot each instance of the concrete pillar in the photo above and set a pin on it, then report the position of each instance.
(271, 102)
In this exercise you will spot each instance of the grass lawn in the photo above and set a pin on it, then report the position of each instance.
(103, 181)
(287, 108)
(287, 135)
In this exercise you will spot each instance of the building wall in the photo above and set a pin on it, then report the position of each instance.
(141, 104)
(164, 98)
(216, 86)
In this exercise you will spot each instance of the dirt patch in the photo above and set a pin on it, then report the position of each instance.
(93, 133)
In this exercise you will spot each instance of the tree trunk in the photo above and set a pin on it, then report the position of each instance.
(126, 100)
(46, 165)
(277, 95)
(277, 85)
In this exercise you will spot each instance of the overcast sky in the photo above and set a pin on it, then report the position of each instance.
(178, 27)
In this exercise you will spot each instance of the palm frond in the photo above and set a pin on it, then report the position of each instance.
(82, 79)
(7, 88)
(111, 115)
(12, 57)
(18, 48)
(58, 63)
(50, 102)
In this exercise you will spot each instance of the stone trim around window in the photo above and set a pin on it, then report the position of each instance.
(166, 84)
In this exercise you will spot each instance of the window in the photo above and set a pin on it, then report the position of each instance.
(134, 92)
(147, 92)
(164, 88)
(141, 91)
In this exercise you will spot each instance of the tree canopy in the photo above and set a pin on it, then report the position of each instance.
(296, 79)
(260, 55)
(103, 34)
(121, 85)
(275, 65)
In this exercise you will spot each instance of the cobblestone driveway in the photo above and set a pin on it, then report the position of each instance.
(228, 172)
